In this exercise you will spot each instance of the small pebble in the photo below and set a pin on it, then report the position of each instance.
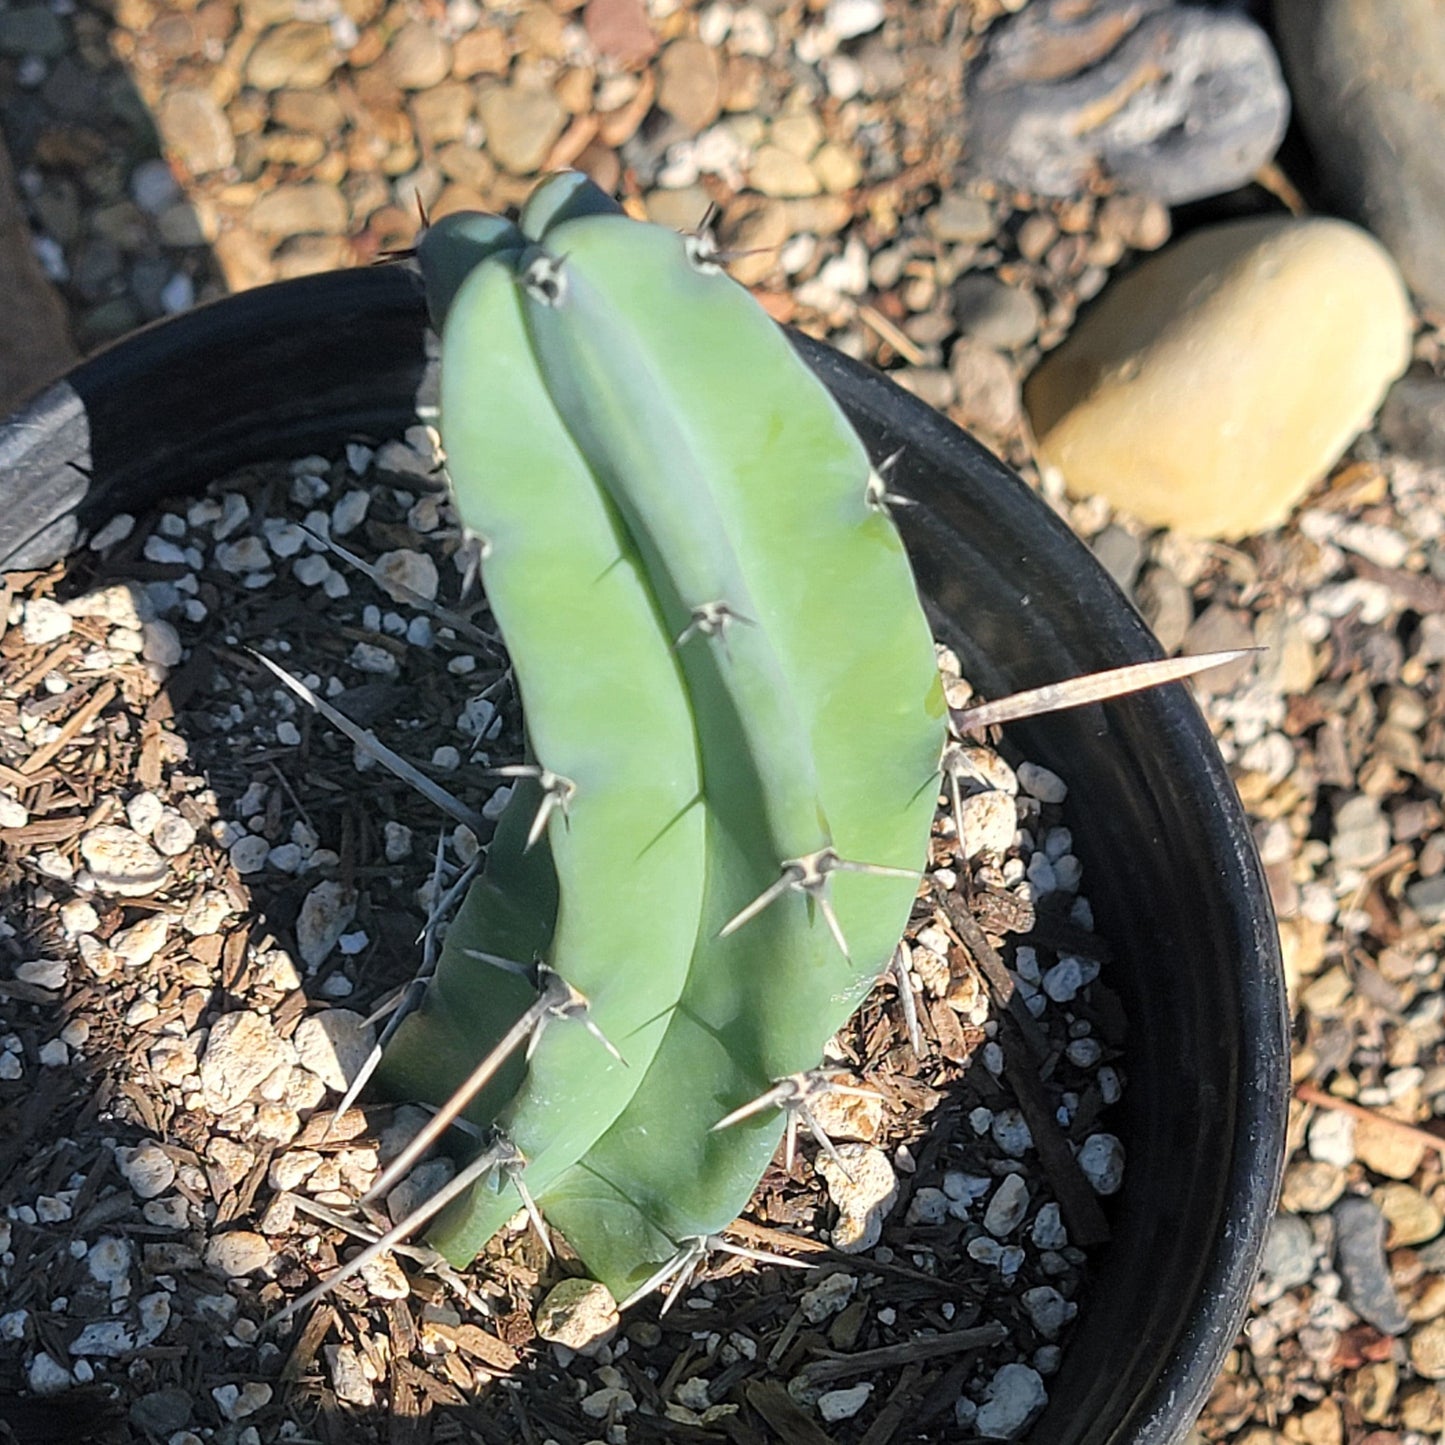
(1038, 782)
(122, 862)
(46, 1377)
(237, 1253)
(825, 1299)
(333, 1045)
(579, 1314)
(1102, 1160)
(608, 1402)
(1008, 1206)
(1289, 1252)
(236, 1402)
(148, 1169)
(1010, 1132)
(248, 853)
(143, 812)
(864, 1199)
(44, 621)
(349, 1377)
(140, 943)
(325, 915)
(173, 834)
(1360, 1255)
(108, 1262)
(848, 19)
(835, 1405)
(385, 1279)
(48, 973)
(1015, 1394)
(405, 574)
(1048, 1310)
(1331, 1138)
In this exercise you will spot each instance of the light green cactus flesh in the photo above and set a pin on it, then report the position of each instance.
(725, 669)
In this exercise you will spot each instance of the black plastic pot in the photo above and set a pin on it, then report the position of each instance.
(1171, 870)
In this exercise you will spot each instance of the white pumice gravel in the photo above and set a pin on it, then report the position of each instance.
(45, 621)
(325, 915)
(44, 972)
(864, 1188)
(1102, 1160)
(333, 1045)
(148, 1169)
(578, 1314)
(122, 862)
(836, 1405)
(237, 1253)
(832, 1294)
(1013, 1397)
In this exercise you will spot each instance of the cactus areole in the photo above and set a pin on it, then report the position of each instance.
(733, 717)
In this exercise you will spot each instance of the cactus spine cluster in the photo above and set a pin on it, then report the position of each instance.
(733, 717)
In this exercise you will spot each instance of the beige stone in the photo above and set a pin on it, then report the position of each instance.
(1321, 1426)
(689, 86)
(1213, 386)
(580, 1314)
(1371, 1390)
(776, 172)
(1423, 1409)
(1413, 1218)
(1311, 1186)
(1427, 1350)
(1391, 1152)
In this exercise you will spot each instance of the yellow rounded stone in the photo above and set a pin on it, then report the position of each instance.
(1211, 387)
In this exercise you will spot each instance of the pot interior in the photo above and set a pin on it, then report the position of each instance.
(1174, 881)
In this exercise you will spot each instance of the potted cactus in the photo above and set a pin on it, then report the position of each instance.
(709, 856)
(736, 806)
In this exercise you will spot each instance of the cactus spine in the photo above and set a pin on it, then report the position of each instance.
(734, 718)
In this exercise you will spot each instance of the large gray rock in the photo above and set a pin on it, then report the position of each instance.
(1368, 78)
(1177, 102)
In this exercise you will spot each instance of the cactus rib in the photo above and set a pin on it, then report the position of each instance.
(613, 754)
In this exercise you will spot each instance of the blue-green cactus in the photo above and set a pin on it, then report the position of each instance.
(733, 715)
